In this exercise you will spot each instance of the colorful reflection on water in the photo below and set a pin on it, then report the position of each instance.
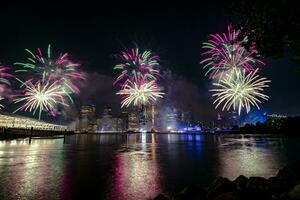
(250, 157)
(136, 171)
(30, 171)
(136, 166)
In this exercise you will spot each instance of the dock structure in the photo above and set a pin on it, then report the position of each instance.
(13, 121)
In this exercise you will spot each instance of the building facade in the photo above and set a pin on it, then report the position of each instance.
(8, 120)
(133, 121)
(87, 121)
(109, 123)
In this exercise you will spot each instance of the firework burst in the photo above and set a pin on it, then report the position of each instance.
(4, 82)
(238, 90)
(224, 52)
(140, 91)
(136, 63)
(59, 69)
(41, 96)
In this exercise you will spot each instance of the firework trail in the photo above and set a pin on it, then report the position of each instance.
(59, 69)
(136, 63)
(224, 52)
(238, 90)
(139, 92)
(4, 82)
(41, 96)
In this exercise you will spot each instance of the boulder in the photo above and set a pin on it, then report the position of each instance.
(220, 186)
(226, 196)
(290, 174)
(240, 182)
(161, 197)
(294, 194)
(276, 187)
(257, 182)
(191, 192)
(252, 194)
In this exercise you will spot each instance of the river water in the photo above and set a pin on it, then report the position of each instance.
(136, 166)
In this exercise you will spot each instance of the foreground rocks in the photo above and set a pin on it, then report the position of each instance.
(285, 185)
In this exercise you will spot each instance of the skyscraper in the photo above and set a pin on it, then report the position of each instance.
(133, 121)
(109, 123)
(87, 118)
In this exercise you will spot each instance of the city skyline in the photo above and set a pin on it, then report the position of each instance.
(150, 100)
(179, 56)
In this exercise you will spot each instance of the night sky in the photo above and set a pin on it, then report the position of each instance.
(92, 33)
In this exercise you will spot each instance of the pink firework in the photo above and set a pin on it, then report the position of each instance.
(224, 52)
(49, 68)
(136, 63)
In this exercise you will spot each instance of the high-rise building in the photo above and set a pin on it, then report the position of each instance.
(87, 111)
(109, 123)
(105, 123)
(219, 123)
(133, 121)
(151, 116)
(185, 117)
(147, 118)
(142, 116)
(87, 122)
(173, 120)
(233, 118)
(107, 111)
(124, 117)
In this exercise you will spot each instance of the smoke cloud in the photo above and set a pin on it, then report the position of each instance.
(188, 97)
(181, 94)
(98, 90)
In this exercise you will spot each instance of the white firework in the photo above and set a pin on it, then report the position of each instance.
(41, 97)
(140, 92)
(238, 90)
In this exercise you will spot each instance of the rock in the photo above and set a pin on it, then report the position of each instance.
(257, 183)
(252, 194)
(226, 196)
(257, 188)
(240, 182)
(284, 196)
(290, 174)
(286, 174)
(161, 197)
(276, 187)
(221, 185)
(294, 194)
(191, 192)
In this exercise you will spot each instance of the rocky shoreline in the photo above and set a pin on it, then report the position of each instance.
(284, 186)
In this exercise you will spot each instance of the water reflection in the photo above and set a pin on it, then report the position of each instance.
(65, 189)
(134, 166)
(136, 171)
(103, 139)
(30, 171)
(248, 156)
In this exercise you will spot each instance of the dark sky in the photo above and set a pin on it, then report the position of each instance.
(93, 32)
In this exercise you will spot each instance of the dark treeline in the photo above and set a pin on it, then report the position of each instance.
(288, 125)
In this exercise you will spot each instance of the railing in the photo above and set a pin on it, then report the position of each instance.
(11, 133)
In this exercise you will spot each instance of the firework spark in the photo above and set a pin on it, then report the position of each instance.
(240, 90)
(135, 63)
(140, 92)
(41, 96)
(225, 52)
(4, 82)
(47, 68)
